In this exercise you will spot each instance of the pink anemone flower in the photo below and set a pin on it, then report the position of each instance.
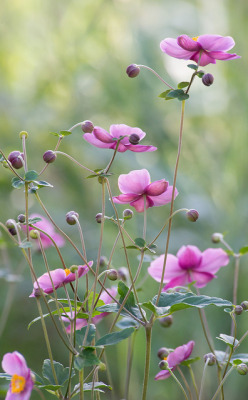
(189, 265)
(48, 227)
(175, 358)
(137, 190)
(21, 384)
(59, 278)
(106, 298)
(209, 47)
(108, 140)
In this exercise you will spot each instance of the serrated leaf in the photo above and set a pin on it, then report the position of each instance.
(192, 66)
(243, 250)
(190, 361)
(115, 337)
(140, 242)
(182, 85)
(163, 95)
(62, 372)
(65, 133)
(34, 220)
(30, 176)
(80, 334)
(178, 94)
(86, 358)
(50, 388)
(17, 183)
(229, 340)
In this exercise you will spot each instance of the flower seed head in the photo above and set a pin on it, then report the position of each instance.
(71, 217)
(242, 369)
(163, 352)
(127, 214)
(49, 156)
(192, 215)
(112, 275)
(16, 159)
(211, 358)
(166, 322)
(134, 138)
(87, 126)
(207, 79)
(133, 70)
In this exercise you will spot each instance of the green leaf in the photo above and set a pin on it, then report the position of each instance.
(127, 322)
(87, 358)
(41, 184)
(229, 252)
(132, 247)
(38, 379)
(190, 361)
(221, 356)
(25, 245)
(200, 74)
(92, 176)
(115, 337)
(152, 248)
(98, 304)
(34, 220)
(17, 183)
(54, 134)
(178, 94)
(61, 311)
(5, 376)
(61, 372)
(242, 356)
(33, 189)
(237, 362)
(140, 242)
(228, 310)
(65, 133)
(88, 387)
(164, 94)
(30, 176)
(80, 334)
(50, 388)
(243, 250)
(182, 85)
(192, 66)
(229, 340)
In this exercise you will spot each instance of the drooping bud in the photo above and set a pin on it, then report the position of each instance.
(133, 70)
(163, 364)
(71, 217)
(244, 305)
(74, 269)
(192, 215)
(134, 138)
(103, 261)
(242, 369)
(21, 218)
(216, 237)
(34, 234)
(87, 126)
(16, 159)
(207, 79)
(49, 156)
(166, 322)
(238, 310)
(127, 214)
(12, 231)
(10, 223)
(123, 274)
(112, 274)
(99, 218)
(163, 352)
(211, 358)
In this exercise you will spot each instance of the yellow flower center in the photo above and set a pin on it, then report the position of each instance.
(195, 38)
(17, 383)
(67, 271)
(165, 358)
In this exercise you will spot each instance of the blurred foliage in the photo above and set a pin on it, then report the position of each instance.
(62, 62)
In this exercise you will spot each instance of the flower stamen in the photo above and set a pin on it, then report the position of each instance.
(17, 383)
(195, 38)
(67, 271)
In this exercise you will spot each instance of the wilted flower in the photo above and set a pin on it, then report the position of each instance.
(208, 48)
(108, 140)
(189, 265)
(21, 384)
(180, 354)
(59, 277)
(137, 187)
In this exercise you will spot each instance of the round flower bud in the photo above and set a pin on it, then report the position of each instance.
(242, 369)
(166, 322)
(21, 218)
(163, 352)
(23, 133)
(16, 159)
(207, 79)
(103, 261)
(123, 274)
(102, 366)
(74, 268)
(34, 234)
(216, 237)
(211, 358)
(12, 231)
(10, 223)
(70, 217)
(99, 218)
(127, 214)
(163, 364)
(112, 274)
(192, 215)
(49, 156)
(244, 305)
(133, 70)
(87, 126)
(238, 310)
(134, 138)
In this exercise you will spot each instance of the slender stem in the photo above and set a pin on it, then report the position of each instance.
(73, 160)
(56, 148)
(131, 341)
(232, 348)
(24, 152)
(205, 331)
(193, 381)
(81, 236)
(147, 362)
(10, 166)
(157, 75)
(179, 384)
(113, 157)
(81, 383)
(222, 383)
(75, 126)
(235, 285)
(185, 382)
(203, 377)
(145, 219)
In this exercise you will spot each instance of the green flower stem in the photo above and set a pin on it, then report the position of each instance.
(75, 126)
(194, 74)
(81, 383)
(8, 233)
(157, 75)
(222, 383)
(203, 378)
(24, 153)
(10, 166)
(185, 382)
(147, 362)
(113, 157)
(179, 383)
(232, 348)
(145, 219)
(75, 161)
(193, 381)
(131, 341)
(235, 287)
(81, 236)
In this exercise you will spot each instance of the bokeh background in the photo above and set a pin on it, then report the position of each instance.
(62, 62)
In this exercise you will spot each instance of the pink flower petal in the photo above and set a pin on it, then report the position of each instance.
(163, 198)
(57, 275)
(124, 130)
(201, 278)
(187, 43)
(162, 375)
(219, 55)
(171, 47)
(102, 135)
(139, 204)
(205, 58)
(180, 280)
(134, 182)
(213, 260)
(189, 257)
(157, 188)
(90, 138)
(172, 268)
(15, 363)
(82, 270)
(180, 354)
(125, 198)
(138, 148)
(48, 227)
(216, 42)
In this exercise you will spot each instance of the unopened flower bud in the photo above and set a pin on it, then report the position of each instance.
(238, 310)
(192, 215)
(21, 218)
(242, 369)
(23, 133)
(102, 366)
(10, 223)
(12, 231)
(167, 321)
(216, 237)
(103, 261)
(87, 126)
(74, 268)
(99, 218)
(163, 352)
(134, 138)
(34, 234)
(49, 156)
(101, 179)
(71, 217)
(207, 79)
(211, 358)
(133, 70)
(112, 275)
(16, 159)
(127, 214)
(163, 364)
(123, 274)
(244, 305)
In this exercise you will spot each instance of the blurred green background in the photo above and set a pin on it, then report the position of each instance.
(62, 62)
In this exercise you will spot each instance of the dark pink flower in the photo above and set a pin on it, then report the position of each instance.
(105, 297)
(48, 227)
(210, 47)
(21, 384)
(180, 354)
(189, 265)
(108, 140)
(59, 278)
(136, 187)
